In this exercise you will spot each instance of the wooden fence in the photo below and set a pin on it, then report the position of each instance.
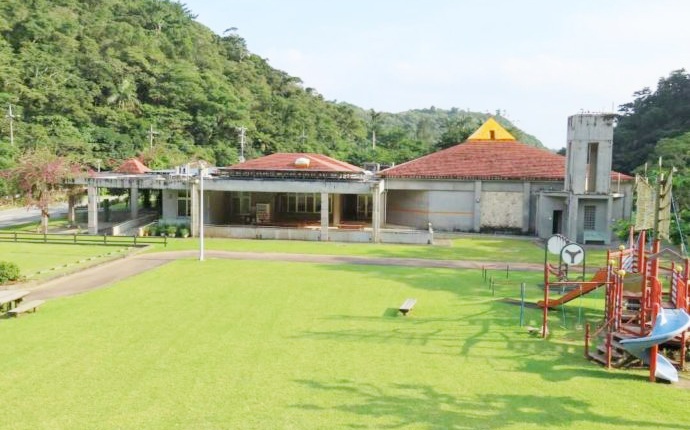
(82, 239)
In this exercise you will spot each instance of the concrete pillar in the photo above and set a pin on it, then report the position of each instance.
(608, 231)
(526, 190)
(477, 216)
(376, 211)
(71, 213)
(134, 200)
(194, 210)
(337, 208)
(571, 227)
(92, 208)
(324, 216)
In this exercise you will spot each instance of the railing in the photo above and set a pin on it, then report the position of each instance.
(82, 239)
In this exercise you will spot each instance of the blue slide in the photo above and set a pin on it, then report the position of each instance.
(669, 324)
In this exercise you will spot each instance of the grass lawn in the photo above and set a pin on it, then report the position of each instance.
(270, 345)
(53, 258)
(476, 248)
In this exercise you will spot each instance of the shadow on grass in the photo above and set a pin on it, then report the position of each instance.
(423, 406)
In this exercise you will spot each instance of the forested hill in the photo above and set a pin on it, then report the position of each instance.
(109, 79)
(656, 123)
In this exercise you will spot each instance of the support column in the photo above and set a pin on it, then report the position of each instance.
(526, 191)
(609, 222)
(194, 210)
(571, 230)
(92, 192)
(71, 213)
(134, 201)
(376, 212)
(324, 216)
(337, 208)
(477, 216)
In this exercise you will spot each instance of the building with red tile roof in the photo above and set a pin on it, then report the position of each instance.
(492, 182)
(133, 167)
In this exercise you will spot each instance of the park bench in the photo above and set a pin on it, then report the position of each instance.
(30, 306)
(593, 236)
(407, 306)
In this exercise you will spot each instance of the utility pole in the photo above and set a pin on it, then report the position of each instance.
(302, 138)
(242, 130)
(10, 116)
(151, 134)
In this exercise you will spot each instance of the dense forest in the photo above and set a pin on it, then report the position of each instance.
(104, 80)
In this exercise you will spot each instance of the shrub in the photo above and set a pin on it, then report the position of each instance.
(8, 272)
(171, 230)
(183, 231)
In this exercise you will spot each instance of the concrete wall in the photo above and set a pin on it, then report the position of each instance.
(451, 210)
(544, 216)
(602, 222)
(502, 209)
(408, 208)
(421, 237)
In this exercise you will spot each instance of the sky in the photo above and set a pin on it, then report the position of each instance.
(535, 61)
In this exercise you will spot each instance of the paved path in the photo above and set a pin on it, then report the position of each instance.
(113, 271)
(13, 216)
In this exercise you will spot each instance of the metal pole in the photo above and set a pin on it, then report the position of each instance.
(201, 214)
(522, 304)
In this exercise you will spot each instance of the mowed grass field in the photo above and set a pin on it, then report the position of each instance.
(475, 248)
(56, 258)
(224, 344)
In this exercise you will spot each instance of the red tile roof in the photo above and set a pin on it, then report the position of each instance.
(133, 167)
(284, 161)
(486, 160)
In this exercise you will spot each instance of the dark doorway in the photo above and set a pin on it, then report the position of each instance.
(557, 227)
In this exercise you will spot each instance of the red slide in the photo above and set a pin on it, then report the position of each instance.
(577, 291)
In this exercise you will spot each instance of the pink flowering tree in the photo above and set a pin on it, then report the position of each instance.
(40, 176)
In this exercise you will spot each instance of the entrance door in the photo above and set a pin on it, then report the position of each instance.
(557, 227)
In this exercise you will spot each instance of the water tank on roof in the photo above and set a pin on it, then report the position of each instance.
(302, 162)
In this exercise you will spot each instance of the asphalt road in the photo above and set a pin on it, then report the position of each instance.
(10, 217)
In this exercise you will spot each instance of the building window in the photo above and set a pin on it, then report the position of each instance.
(590, 217)
(306, 203)
(184, 204)
(241, 202)
(364, 206)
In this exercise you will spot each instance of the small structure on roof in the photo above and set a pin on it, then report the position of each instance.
(133, 167)
(491, 130)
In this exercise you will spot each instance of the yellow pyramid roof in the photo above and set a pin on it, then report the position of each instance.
(491, 130)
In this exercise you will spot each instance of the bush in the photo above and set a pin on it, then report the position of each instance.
(171, 230)
(8, 272)
(183, 231)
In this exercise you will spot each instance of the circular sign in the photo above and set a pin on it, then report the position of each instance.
(572, 254)
(556, 243)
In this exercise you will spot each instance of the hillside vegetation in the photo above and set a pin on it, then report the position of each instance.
(103, 80)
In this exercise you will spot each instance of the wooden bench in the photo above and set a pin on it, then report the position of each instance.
(593, 236)
(30, 306)
(407, 306)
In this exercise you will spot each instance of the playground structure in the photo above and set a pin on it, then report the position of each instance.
(646, 304)
(566, 276)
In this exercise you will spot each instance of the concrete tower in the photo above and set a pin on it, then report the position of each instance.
(588, 178)
(590, 145)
